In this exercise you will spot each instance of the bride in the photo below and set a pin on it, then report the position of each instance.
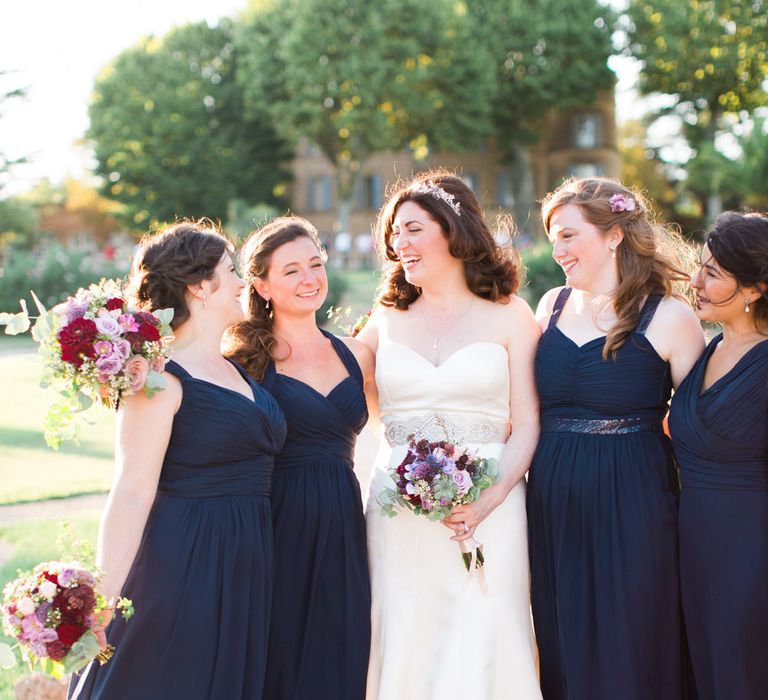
(454, 360)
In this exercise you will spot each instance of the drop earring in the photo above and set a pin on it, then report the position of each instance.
(266, 304)
(746, 305)
(613, 252)
(204, 301)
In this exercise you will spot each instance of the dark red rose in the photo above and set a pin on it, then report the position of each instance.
(149, 332)
(53, 578)
(114, 303)
(69, 634)
(56, 650)
(80, 598)
(136, 341)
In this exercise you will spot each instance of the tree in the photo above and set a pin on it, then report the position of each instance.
(8, 95)
(547, 54)
(710, 57)
(355, 78)
(169, 132)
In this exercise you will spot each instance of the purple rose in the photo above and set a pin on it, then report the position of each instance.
(75, 309)
(463, 481)
(128, 323)
(108, 325)
(109, 365)
(66, 577)
(122, 348)
(42, 612)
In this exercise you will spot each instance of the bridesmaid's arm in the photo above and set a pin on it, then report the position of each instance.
(143, 432)
(522, 339)
(676, 335)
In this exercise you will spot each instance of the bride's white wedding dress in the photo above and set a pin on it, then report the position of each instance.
(436, 633)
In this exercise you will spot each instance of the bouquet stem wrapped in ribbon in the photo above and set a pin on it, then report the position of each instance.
(435, 477)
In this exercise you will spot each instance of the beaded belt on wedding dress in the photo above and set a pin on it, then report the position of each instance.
(454, 427)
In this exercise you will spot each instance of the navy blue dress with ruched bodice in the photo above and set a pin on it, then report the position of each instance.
(201, 582)
(320, 634)
(602, 520)
(720, 436)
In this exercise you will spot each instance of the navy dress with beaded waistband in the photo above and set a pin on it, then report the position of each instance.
(720, 436)
(602, 501)
(201, 579)
(320, 635)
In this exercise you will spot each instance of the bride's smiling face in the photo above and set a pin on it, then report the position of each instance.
(420, 244)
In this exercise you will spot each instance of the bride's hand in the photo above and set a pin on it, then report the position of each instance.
(464, 520)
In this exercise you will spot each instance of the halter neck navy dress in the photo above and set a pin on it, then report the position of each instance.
(720, 436)
(201, 580)
(321, 608)
(602, 521)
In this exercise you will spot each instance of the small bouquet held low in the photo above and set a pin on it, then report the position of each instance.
(95, 348)
(54, 612)
(435, 477)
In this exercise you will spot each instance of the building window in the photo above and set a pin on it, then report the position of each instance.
(587, 170)
(369, 192)
(587, 130)
(471, 180)
(319, 193)
(506, 195)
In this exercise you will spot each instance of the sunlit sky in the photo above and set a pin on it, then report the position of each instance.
(58, 49)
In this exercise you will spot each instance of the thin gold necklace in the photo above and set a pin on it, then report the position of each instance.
(437, 338)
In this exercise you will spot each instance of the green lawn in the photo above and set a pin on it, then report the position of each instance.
(29, 469)
(32, 542)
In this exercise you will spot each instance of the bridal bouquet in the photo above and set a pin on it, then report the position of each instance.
(54, 613)
(95, 348)
(433, 478)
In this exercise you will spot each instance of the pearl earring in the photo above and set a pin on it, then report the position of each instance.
(746, 305)
(613, 252)
(204, 301)
(266, 304)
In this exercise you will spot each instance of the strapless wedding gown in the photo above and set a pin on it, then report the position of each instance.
(438, 633)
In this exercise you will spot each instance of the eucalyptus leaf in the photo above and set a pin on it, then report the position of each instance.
(7, 657)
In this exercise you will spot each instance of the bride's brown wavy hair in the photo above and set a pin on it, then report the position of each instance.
(652, 258)
(491, 271)
(252, 342)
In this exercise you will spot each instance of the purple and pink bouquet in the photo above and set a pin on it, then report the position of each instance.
(54, 613)
(435, 477)
(95, 348)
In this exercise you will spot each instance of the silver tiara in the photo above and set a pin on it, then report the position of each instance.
(438, 192)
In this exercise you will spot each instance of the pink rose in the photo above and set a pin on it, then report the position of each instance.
(137, 369)
(157, 364)
(463, 480)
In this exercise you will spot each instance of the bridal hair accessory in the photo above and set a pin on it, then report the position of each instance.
(438, 192)
(622, 202)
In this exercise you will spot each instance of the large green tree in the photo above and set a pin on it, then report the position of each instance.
(548, 54)
(170, 134)
(355, 78)
(710, 57)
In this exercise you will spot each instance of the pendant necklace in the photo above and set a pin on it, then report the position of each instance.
(437, 338)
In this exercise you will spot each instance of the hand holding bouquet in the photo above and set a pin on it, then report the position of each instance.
(435, 477)
(55, 614)
(95, 348)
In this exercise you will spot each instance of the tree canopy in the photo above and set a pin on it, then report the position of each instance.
(169, 130)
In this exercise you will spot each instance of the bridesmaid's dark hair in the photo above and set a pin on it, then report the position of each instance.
(652, 258)
(252, 342)
(491, 271)
(169, 261)
(739, 244)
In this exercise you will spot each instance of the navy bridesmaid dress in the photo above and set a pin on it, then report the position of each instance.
(602, 521)
(720, 436)
(320, 632)
(201, 580)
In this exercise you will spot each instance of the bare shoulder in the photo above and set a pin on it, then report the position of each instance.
(163, 402)
(674, 329)
(547, 303)
(516, 320)
(673, 313)
(362, 353)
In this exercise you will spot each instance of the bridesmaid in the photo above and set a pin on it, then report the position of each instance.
(602, 507)
(719, 427)
(187, 532)
(320, 634)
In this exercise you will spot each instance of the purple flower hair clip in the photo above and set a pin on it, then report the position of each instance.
(622, 202)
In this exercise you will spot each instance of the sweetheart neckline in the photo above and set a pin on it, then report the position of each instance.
(450, 357)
